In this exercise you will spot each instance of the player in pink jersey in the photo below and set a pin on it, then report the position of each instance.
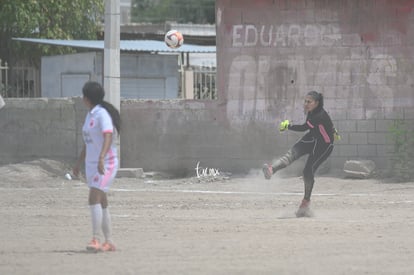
(100, 130)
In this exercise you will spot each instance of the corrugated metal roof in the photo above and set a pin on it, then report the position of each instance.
(125, 45)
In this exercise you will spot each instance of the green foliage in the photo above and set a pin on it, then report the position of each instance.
(54, 19)
(402, 160)
(181, 11)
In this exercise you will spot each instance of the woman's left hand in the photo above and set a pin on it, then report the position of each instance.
(101, 166)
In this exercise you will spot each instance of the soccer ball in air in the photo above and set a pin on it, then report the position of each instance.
(174, 39)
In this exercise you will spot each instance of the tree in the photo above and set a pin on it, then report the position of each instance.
(54, 19)
(181, 11)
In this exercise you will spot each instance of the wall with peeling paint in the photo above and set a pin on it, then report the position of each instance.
(359, 54)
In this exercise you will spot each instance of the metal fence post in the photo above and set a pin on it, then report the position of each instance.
(3, 80)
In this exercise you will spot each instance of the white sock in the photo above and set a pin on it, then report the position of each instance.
(106, 225)
(96, 215)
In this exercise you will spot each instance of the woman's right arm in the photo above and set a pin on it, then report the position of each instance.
(299, 128)
(79, 162)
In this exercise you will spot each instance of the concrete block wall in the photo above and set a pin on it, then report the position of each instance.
(164, 135)
(172, 136)
(40, 128)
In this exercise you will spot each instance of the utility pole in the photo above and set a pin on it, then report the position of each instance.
(111, 79)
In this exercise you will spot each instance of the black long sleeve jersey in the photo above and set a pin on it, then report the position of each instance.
(319, 124)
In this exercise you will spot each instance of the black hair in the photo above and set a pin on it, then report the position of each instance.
(317, 97)
(95, 93)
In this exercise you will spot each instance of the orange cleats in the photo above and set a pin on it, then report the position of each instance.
(267, 171)
(93, 246)
(304, 204)
(106, 246)
(304, 210)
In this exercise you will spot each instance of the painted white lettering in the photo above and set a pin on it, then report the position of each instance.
(312, 35)
(237, 42)
(269, 36)
(250, 38)
(281, 35)
(285, 35)
(294, 35)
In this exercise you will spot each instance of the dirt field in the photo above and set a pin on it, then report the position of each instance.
(236, 226)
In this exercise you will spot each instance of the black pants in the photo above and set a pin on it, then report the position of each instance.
(318, 152)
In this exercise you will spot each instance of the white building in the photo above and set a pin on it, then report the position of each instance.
(125, 9)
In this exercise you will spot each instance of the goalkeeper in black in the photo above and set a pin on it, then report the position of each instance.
(317, 143)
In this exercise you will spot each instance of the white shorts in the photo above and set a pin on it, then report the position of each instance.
(101, 182)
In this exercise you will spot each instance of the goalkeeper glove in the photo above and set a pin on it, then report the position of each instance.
(284, 125)
(337, 137)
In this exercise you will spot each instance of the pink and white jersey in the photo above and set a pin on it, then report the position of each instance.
(97, 122)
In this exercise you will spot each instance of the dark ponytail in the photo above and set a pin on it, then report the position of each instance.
(95, 93)
(114, 113)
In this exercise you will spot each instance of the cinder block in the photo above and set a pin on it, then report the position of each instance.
(382, 125)
(343, 78)
(350, 40)
(382, 162)
(378, 138)
(337, 113)
(399, 114)
(347, 150)
(367, 151)
(374, 114)
(408, 113)
(358, 138)
(356, 114)
(337, 161)
(385, 150)
(325, 78)
(130, 173)
(366, 126)
(346, 126)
